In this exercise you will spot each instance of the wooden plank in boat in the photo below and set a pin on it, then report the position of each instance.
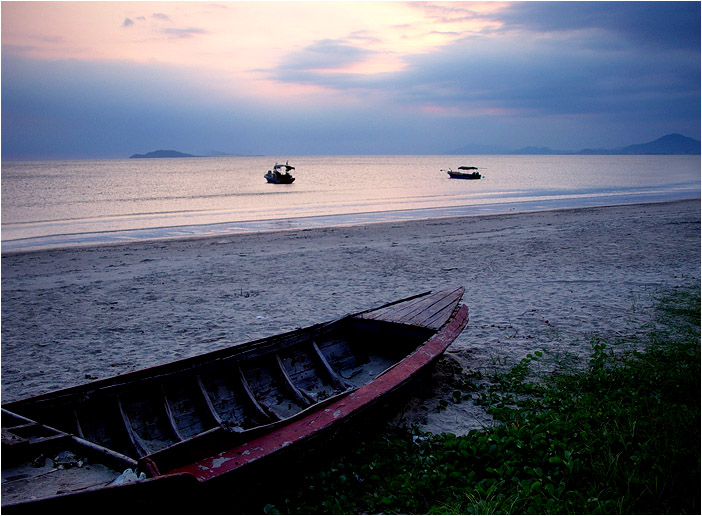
(396, 311)
(435, 316)
(440, 318)
(430, 311)
(403, 312)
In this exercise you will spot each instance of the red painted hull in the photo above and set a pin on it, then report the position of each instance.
(360, 361)
(332, 415)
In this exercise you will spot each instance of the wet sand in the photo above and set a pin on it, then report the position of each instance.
(534, 281)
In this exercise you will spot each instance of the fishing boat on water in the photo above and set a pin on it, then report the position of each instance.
(464, 173)
(155, 438)
(280, 174)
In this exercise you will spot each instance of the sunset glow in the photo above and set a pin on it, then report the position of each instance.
(206, 63)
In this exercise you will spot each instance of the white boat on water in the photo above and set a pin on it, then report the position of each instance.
(464, 173)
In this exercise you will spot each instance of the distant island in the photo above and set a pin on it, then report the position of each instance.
(669, 144)
(163, 154)
(176, 154)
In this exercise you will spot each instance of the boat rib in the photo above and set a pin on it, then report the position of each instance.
(169, 415)
(262, 409)
(299, 396)
(337, 380)
(136, 441)
(208, 401)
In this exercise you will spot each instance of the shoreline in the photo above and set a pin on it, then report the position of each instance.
(222, 229)
(544, 280)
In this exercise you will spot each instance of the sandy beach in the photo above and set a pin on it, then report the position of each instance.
(534, 281)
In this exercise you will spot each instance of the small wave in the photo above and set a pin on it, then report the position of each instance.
(165, 232)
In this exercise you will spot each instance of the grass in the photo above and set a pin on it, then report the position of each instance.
(621, 436)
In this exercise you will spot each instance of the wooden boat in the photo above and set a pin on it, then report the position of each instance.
(217, 417)
(465, 173)
(280, 174)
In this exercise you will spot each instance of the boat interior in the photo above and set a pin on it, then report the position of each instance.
(241, 389)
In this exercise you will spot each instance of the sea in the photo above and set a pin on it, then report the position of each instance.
(50, 204)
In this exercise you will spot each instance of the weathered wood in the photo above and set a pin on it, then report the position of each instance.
(418, 311)
(299, 396)
(188, 408)
(245, 455)
(79, 429)
(138, 444)
(261, 409)
(401, 311)
(208, 400)
(192, 416)
(437, 320)
(435, 315)
(169, 415)
(338, 381)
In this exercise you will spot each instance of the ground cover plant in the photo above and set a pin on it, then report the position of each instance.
(619, 436)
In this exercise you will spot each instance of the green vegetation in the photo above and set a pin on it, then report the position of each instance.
(619, 436)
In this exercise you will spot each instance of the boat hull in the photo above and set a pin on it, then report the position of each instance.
(328, 377)
(280, 180)
(456, 175)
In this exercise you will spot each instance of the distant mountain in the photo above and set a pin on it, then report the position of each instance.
(480, 149)
(669, 144)
(163, 154)
(537, 151)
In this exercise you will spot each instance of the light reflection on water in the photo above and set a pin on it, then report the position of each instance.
(60, 203)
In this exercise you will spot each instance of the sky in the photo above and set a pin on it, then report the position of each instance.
(94, 80)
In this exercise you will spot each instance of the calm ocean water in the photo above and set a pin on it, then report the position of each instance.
(62, 203)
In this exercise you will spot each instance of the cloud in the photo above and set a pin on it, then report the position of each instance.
(448, 13)
(651, 24)
(573, 71)
(325, 63)
(324, 55)
(183, 33)
(456, 14)
(172, 32)
(537, 78)
(364, 36)
(73, 109)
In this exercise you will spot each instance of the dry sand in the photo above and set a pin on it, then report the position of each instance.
(534, 281)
